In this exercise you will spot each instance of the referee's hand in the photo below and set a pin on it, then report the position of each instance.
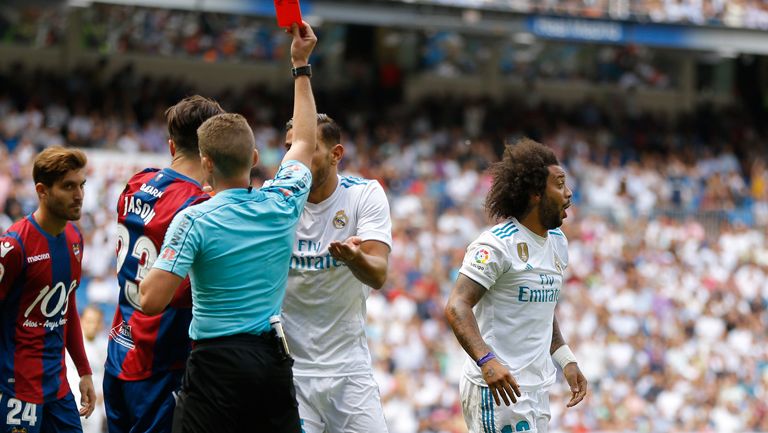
(501, 382)
(303, 43)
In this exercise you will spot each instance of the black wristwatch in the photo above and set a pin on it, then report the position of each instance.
(302, 70)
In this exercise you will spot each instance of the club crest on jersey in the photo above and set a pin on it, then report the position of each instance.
(522, 251)
(76, 251)
(340, 220)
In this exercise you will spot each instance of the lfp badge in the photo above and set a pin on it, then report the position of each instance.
(482, 256)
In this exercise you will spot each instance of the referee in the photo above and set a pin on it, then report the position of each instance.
(236, 248)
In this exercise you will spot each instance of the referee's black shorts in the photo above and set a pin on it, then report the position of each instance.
(240, 383)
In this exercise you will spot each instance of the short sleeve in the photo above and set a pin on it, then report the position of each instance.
(374, 222)
(180, 245)
(11, 263)
(484, 262)
(292, 182)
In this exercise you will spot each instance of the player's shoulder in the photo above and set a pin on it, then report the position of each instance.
(72, 230)
(498, 236)
(558, 237)
(365, 189)
(354, 182)
(143, 175)
(12, 241)
(504, 232)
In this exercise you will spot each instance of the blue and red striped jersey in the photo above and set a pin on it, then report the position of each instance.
(39, 274)
(141, 345)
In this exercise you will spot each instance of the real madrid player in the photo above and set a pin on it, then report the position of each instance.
(502, 306)
(341, 250)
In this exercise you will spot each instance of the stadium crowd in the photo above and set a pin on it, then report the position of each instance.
(665, 303)
(732, 13)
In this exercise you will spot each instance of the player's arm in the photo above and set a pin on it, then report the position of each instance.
(304, 110)
(465, 295)
(367, 254)
(368, 260)
(562, 354)
(172, 266)
(76, 350)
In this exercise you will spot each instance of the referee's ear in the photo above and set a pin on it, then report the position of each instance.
(207, 164)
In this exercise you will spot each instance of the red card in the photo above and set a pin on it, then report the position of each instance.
(288, 12)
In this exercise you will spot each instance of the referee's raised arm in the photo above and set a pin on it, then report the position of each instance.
(304, 111)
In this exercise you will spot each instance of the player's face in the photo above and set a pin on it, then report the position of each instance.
(556, 199)
(64, 199)
(91, 322)
(321, 160)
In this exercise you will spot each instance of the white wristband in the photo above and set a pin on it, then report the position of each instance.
(563, 356)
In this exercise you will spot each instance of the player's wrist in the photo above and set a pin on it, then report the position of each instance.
(485, 359)
(564, 356)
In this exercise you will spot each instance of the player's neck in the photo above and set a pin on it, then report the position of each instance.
(49, 223)
(189, 167)
(533, 224)
(325, 190)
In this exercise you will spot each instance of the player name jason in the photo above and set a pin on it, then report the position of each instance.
(136, 206)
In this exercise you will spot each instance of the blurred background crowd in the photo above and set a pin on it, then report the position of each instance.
(666, 300)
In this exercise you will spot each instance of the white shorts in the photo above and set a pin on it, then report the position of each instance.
(530, 413)
(346, 404)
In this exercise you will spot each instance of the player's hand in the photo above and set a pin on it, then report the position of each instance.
(576, 381)
(87, 396)
(304, 41)
(347, 251)
(501, 382)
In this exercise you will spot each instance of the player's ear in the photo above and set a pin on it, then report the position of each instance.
(337, 152)
(171, 147)
(42, 190)
(255, 157)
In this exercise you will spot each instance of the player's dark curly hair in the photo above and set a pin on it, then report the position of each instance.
(523, 171)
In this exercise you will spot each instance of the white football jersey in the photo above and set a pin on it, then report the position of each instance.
(523, 274)
(324, 306)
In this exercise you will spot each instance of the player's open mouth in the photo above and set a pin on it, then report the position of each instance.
(565, 214)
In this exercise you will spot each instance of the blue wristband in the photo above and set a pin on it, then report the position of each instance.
(488, 356)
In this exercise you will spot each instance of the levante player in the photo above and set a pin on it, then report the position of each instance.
(146, 355)
(40, 268)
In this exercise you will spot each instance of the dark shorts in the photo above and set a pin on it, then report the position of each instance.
(60, 416)
(142, 405)
(239, 383)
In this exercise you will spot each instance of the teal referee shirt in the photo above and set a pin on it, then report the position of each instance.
(236, 248)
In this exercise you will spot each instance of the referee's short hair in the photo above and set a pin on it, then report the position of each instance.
(228, 141)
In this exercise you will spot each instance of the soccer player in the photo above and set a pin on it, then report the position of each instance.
(146, 355)
(236, 248)
(40, 269)
(502, 307)
(341, 251)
